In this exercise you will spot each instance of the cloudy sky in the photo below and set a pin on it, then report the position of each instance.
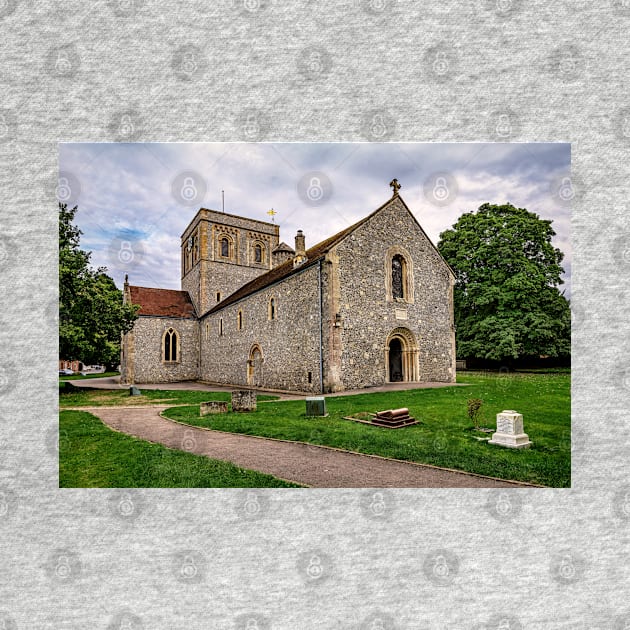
(135, 200)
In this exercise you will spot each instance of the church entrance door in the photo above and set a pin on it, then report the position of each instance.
(401, 357)
(254, 367)
(395, 361)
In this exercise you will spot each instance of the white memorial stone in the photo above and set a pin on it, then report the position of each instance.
(510, 430)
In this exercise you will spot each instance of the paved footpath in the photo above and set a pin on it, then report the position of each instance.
(315, 466)
(113, 382)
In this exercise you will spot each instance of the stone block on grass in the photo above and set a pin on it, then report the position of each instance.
(212, 406)
(243, 400)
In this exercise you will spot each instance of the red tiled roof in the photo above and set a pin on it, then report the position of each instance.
(162, 302)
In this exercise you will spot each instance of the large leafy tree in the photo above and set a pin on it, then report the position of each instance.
(507, 301)
(92, 315)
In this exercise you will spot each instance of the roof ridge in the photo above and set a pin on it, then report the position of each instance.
(284, 270)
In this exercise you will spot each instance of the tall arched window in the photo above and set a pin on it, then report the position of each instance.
(169, 346)
(399, 283)
(398, 276)
(195, 249)
(258, 253)
(225, 247)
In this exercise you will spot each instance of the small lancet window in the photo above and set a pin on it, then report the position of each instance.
(398, 276)
(272, 309)
(170, 345)
(258, 253)
(225, 247)
(240, 320)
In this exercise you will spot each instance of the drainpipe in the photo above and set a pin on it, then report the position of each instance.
(321, 330)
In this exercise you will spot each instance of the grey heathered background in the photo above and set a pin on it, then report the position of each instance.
(314, 71)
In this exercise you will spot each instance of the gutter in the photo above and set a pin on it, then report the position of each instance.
(321, 331)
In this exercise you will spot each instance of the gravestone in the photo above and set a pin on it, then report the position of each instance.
(316, 407)
(243, 400)
(212, 406)
(510, 430)
(134, 391)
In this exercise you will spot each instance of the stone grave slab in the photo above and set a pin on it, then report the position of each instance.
(212, 406)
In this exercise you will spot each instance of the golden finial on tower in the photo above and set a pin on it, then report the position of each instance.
(272, 213)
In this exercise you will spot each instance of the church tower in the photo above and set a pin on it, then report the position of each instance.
(221, 252)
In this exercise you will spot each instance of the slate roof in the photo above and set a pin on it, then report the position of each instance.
(283, 247)
(162, 302)
(286, 269)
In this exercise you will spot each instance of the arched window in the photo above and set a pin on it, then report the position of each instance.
(170, 348)
(240, 320)
(399, 283)
(398, 276)
(195, 249)
(272, 309)
(258, 253)
(225, 247)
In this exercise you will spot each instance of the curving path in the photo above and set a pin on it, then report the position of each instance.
(316, 466)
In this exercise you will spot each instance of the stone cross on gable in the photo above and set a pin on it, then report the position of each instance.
(395, 187)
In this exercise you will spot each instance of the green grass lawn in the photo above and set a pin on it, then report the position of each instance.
(86, 397)
(445, 436)
(76, 377)
(93, 456)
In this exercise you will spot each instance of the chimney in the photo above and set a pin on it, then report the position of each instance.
(300, 249)
(300, 243)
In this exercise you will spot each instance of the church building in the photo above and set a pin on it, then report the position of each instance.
(370, 305)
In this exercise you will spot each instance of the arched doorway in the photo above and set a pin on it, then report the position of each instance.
(395, 361)
(255, 366)
(401, 357)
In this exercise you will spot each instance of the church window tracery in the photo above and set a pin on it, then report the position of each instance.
(170, 346)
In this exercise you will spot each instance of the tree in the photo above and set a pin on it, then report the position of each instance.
(506, 297)
(92, 315)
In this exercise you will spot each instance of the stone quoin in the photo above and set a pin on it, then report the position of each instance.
(370, 305)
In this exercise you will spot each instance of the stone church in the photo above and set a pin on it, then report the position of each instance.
(370, 305)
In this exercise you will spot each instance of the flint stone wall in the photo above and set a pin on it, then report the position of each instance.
(289, 344)
(147, 337)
